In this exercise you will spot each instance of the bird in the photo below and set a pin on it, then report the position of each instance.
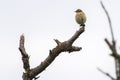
(80, 17)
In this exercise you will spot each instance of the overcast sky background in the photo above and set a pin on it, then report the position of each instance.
(41, 21)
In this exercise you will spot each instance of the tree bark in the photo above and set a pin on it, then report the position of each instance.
(66, 46)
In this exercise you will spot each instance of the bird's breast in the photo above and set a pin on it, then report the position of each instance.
(80, 18)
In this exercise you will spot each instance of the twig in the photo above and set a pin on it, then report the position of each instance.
(107, 74)
(109, 20)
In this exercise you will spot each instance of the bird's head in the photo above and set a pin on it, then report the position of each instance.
(78, 10)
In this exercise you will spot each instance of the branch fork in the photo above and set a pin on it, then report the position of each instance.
(66, 46)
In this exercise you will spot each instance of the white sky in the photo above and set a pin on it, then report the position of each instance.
(44, 20)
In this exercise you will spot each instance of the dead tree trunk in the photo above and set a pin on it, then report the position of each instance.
(66, 46)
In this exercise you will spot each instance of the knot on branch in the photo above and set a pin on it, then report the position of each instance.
(58, 42)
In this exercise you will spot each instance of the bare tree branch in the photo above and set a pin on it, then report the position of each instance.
(107, 74)
(25, 57)
(112, 45)
(109, 20)
(65, 46)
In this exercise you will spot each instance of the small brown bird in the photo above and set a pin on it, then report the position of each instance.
(80, 17)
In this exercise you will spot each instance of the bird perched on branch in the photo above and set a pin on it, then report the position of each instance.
(80, 17)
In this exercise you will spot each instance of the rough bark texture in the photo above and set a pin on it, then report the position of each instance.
(66, 46)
